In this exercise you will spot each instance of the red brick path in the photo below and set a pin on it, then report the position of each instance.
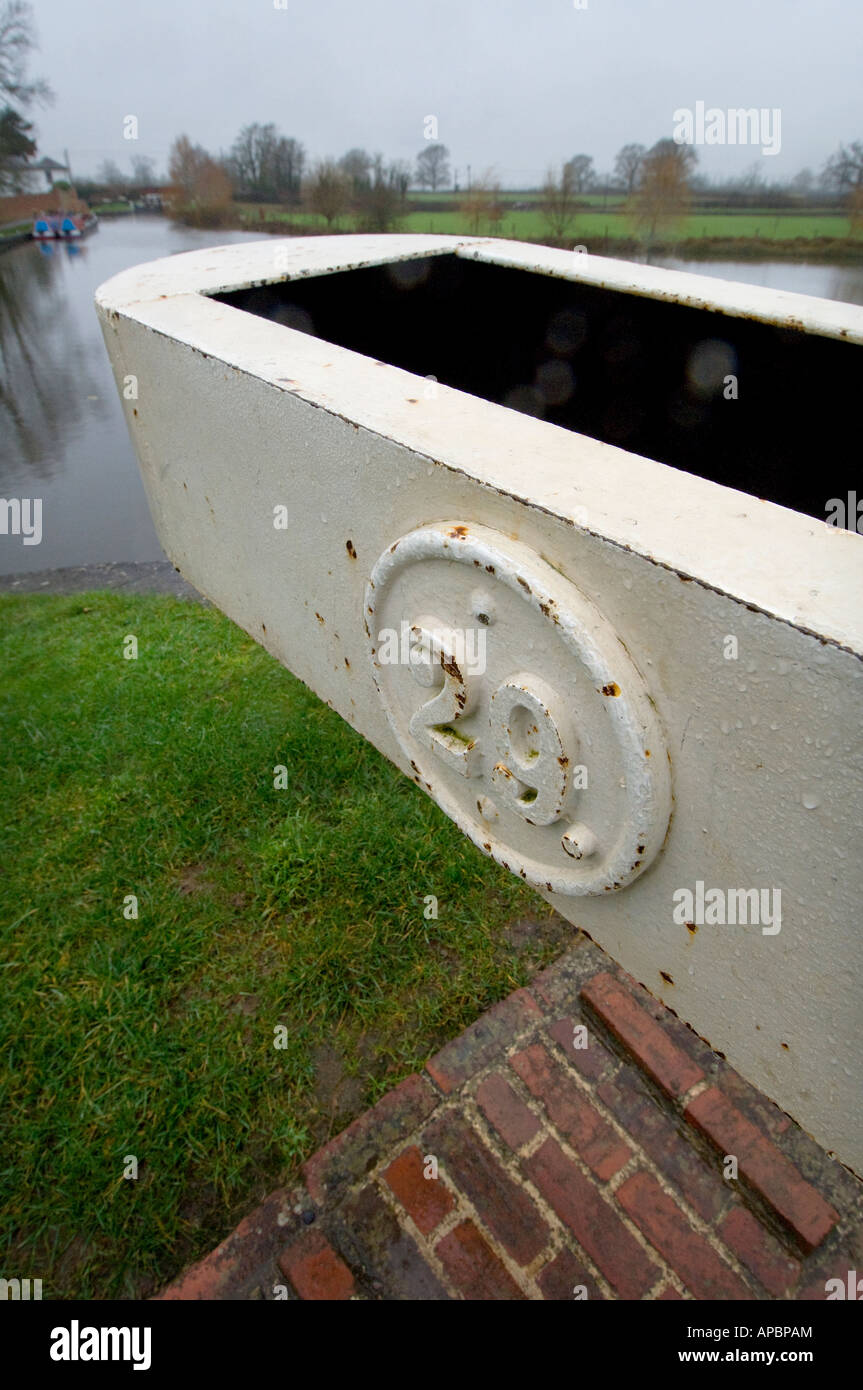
(563, 1171)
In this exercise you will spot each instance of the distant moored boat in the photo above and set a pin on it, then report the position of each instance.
(68, 226)
(77, 224)
(46, 226)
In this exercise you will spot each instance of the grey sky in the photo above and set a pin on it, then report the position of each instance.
(515, 84)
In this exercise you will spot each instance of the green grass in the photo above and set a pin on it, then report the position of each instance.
(590, 226)
(258, 907)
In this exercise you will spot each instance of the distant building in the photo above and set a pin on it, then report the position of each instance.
(49, 167)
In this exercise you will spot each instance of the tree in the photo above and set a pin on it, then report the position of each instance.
(356, 165)
(432, 169)
(289, 162)
(110, 175)
(400, 177)
(143, 171)
(844, 170)
(16, 147)
(844, 173)
(804, 182)
(266, 166)
(380, 205)
(204, 186)
(17, 40)
(627, 166)
(249, 155)
(558, 204)
(186, 165)
(662, 194)
(482, 206)
(328, 192)
(583, 176)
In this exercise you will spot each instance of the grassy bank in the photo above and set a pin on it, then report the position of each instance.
(154, 1036)
(755, 235)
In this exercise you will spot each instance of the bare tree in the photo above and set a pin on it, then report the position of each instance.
(661, 198)
(289, 162)
(583, 176)
(558, 203)
(357, 165)
(17, 40)
(266, 166)
(844, 170)
(844, 173)
(400, 175)
(143, 171)
(186, 166)
(433, 167)
(627, 166)
(482, 206)
(380, 206)
(328, 191)
(204, 185)
(110, 175)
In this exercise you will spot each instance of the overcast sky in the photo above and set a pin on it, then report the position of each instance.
(515, 85)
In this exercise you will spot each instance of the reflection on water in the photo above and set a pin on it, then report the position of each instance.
(50, 368)
(823, 281)
(63, 436)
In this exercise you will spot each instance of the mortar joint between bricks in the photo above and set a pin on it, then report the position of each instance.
(518, 1272)
(694, 1091)
(641, 1160)
(426, 1243)
(466, 1105)
(464, 1210)
(626, 1058)
(562, 1237)
(752, 1200)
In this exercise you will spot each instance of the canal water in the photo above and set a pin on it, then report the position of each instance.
(63, 436)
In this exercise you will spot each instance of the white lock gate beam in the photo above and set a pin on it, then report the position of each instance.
(536, 627)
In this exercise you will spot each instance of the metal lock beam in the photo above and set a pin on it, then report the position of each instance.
(636, 687)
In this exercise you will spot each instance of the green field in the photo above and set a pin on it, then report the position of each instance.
(153, 1036)
(593, 226)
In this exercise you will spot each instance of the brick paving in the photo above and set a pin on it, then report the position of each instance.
(572, 1143)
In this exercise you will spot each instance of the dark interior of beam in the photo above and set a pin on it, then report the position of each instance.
(647, 376)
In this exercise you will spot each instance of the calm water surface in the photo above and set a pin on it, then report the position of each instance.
(63, 435)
